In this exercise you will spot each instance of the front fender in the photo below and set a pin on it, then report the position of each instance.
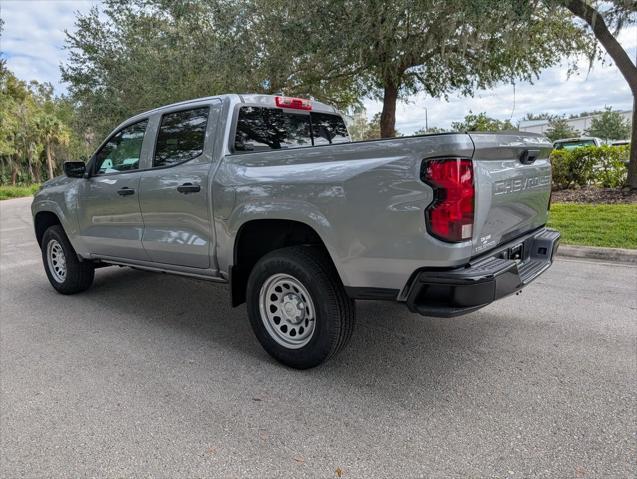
(61, 200)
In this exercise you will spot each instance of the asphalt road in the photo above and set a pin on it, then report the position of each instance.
(155, 375)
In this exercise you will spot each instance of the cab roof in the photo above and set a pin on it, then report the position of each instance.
(245, 98)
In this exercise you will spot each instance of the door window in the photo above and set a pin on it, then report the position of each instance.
(122, 151)
(181, 136)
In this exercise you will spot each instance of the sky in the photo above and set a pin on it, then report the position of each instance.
(33, 39)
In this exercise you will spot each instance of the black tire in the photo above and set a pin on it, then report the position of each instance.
(334, 311)
(78, 275)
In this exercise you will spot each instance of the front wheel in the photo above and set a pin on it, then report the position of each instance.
(66, 273)
(298, 307)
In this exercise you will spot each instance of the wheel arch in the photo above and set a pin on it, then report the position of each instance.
(44, 220)
(272, 234)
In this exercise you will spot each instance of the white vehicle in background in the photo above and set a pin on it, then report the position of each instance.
(572, 143)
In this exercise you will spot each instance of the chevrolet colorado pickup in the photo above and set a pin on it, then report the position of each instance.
(270, 195)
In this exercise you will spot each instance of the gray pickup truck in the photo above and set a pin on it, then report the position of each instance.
(270, 195)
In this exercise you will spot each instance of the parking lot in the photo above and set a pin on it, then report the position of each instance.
(156, 375)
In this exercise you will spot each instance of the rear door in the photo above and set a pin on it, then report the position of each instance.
(109, 216)
(175, 192)
(513, 185)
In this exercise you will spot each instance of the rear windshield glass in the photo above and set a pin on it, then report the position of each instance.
(270, 128)
(328, 129)
(262, 129)
(570, 145)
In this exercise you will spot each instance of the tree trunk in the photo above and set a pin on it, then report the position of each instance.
(15, 169)
(388, 115)
(49, 160)
(632, 164)
(32, 169)
(585, 11)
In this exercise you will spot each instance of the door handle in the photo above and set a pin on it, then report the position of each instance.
(188, 188)
(126, 191)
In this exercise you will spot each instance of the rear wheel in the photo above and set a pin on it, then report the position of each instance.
(66, 273)
(298, 307)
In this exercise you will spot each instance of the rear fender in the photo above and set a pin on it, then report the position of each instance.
(290, 210)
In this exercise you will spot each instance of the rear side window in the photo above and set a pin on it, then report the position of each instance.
(261, 129)
(328, 129)
(181, 136)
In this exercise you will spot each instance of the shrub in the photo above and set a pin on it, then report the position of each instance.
(570, 169)
(611, 169)
(7, 192)
(599, 165)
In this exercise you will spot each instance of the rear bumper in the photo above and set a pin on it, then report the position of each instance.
(446, 293)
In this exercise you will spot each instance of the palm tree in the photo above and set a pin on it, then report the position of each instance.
(53, 132)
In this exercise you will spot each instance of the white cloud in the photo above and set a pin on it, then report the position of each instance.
(33, 39)
(33, 36)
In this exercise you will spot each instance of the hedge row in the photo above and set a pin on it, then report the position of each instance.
(604, 166)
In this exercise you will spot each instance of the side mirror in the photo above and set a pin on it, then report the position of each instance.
(75, 169)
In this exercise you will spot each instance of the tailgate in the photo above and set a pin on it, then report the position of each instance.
(512, 175)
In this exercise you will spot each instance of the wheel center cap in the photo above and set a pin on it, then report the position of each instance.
(292, 308)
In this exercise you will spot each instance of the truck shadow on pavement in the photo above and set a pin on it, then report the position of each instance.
(391, 350)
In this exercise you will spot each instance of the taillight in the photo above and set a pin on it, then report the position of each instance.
(450, 216)
(295, 103)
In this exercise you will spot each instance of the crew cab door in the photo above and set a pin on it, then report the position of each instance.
(109, 216)
(175, 191)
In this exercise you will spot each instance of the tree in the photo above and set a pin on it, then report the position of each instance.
(610, 125)
(33, 123)
(367, 130)
(599, 15)
(336, 50)
(582, 114)
(429, 131)
(539, 116)
(127, 57)
(391, 49)
(53, 132)
(481, 122)
(16, 103)
(559, 128)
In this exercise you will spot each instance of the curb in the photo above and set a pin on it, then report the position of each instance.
(616, 255)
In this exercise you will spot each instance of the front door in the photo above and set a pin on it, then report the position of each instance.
(175, 192)
(109, 215)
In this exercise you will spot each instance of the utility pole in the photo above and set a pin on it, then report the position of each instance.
(426, 121)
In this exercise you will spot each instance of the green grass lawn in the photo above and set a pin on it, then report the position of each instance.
(7, 192)
(612, 226)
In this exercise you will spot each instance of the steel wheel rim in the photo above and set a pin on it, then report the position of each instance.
(56, 260)
(287, 311)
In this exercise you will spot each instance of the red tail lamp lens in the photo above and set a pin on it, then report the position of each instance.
(450, 216)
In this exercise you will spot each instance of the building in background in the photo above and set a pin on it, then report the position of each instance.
(580, 124)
